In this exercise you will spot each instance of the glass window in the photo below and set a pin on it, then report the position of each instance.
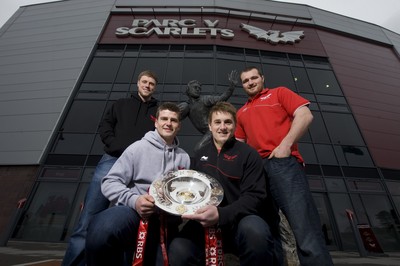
(325, 154)
(95, 87)
(225, 52)
(57, 173)
(188, 142)
(324, 212)
(124, 87)
(316, 183)
(193, 69)
(69, 143)
(330, 99)
(225, 67)
(174, 71)
(331, 170)
(102, 70)
(88, 174)
(343, 129)
(65, 159)
(92, 95)
(335, 184)
(154, 50)
(199, 51)
(353, 156)
(324, 82)
(316, 62)
(274, 58)
(125, 72)
(276, 76)
(46, 215)
(110, 50)
(295, 60)
(157, 65)
(340, 202)
(132, 50)
(363, 172)
(83, 116)
(252, 56)
(393, 187)
(391, 173)
(176, 50)
(382, 222)
(308, 153)
(301, 80)
(318, 130)
(98, 146)
(75, 210)
(313, 169)
(358, 185)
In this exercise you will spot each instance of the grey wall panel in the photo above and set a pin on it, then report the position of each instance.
(348, 25)
(32, 106)
(25, 147)
(20, 157)
(35, 122)
(43, 50)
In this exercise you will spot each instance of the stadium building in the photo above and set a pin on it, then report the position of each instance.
(62, 64)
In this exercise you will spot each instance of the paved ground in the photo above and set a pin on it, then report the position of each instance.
(18, 253)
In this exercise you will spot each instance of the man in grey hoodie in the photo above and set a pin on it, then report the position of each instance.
(112, 233)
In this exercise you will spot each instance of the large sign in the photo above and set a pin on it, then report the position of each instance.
(189, 28)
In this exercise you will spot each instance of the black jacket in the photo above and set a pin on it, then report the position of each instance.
(239, 169)
(126, 122)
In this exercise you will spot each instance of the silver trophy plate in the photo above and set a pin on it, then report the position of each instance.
(185, 191)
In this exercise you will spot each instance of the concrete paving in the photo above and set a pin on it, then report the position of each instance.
(18, 253)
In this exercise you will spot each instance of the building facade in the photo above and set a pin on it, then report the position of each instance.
(62, 64)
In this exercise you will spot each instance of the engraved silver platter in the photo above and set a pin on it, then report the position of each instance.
(185, 191)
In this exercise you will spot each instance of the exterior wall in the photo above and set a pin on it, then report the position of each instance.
(16, 184)
(42, 54)
(370, 76)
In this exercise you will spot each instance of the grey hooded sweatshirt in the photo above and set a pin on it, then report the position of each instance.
(139, 165)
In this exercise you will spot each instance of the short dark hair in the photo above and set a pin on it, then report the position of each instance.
(225, 107)
(169, 106)
(247, 69)
(148, 73)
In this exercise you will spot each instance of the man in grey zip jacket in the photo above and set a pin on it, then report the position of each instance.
(112, 233)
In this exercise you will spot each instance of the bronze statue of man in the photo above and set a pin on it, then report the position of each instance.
(198, 106)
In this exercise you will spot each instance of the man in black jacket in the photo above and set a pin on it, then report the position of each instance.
(124, 123)
(239, 170)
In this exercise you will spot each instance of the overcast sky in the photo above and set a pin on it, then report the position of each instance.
(385, 13)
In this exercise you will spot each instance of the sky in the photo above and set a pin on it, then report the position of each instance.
(385, 13)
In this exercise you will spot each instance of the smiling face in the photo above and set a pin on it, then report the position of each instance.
(146, 87)
(168, 125)
(252, 82)
(222, 126)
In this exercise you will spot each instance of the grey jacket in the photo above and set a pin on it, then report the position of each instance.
(139, 165)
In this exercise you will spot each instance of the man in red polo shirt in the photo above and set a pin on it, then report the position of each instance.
(272, 121)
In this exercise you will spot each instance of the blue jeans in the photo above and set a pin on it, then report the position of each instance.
(250, 239)
(289, 188)
(94, 203)
(111, 238)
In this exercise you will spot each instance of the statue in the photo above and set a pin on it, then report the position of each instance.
(198, 106)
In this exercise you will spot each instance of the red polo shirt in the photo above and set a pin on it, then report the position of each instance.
(265, 120)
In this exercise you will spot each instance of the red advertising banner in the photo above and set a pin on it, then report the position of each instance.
(369, 239)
